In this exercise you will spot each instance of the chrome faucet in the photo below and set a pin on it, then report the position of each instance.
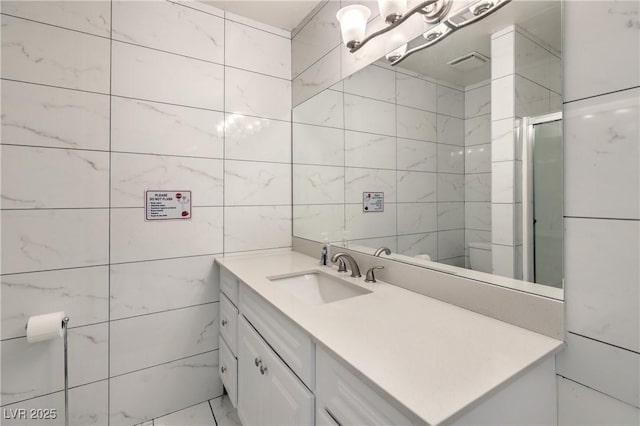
(381, 250)
(340, 257)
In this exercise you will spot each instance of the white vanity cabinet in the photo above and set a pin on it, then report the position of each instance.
(227, 341)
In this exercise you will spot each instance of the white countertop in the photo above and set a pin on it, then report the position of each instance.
(434, 359)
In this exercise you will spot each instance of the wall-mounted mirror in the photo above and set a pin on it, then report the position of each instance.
(452, 159)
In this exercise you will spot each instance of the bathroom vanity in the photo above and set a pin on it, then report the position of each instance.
(303, 344)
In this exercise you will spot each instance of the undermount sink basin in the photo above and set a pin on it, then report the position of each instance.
(317, 288)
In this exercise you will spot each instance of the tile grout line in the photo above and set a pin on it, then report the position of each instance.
(109, 227)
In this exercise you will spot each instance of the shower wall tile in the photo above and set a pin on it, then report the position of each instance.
(134, 239)
(368, 115)
(477, 187)
(82, 293)
(318, 184)
(450, 101)
(451, 159)
(91, 17)
(414, 187)
(38, 115)
(451, 245)
(417, 155)
(537, 63)
(502, 140)
(478, 216)
(369, 150)
(272, 52)
(450, 187)
(257, 139)
(372, 82)
(478, 159)
(157, 128)
(450, 216)
(503, 53)
(416, 92)
(256, 228)
(477, 101)
(360, 180)
(412, 245)
(53, 178)
(477, 130)
(173, 283)
(36, 240)
(143, 395)
(414, 218)
(166, 26)
(256, 183)
(325, 109)
(450, 130)
(149, 74)
(502, 182)
(531, 98)
(502, 219)
(416, 124)
(39, 53)
(318, 145)
(369, 225)
(317, 77)
(154, 339)
(256, 95)
(503, 98)
(311, 221)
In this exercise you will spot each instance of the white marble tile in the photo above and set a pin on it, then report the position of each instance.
(450, 216)
(454, 261)
(450, 101)
(255, 50)
(88, 16)
(317, 77)
(531, 98)
(258, 139)
(369, 225)
(318, 184)
(167, 26)
(411, 245)
(416, 218)
(416, 92)
(450, 130)
(153, 339)
(477, 130)
(88, 353)
(82, 293)
(133, 174)
(477, 187)
(318, 145)
(256, 24)
(372, 82)
(478, 216)
(197, 415)
(374, 243)
(46, 116)
(478, 159)
(477, 101)
(156, 128)
(224, 412)
(324, 109)
(369, 150)
(451, 244)
(503, 55)
(475, 236)
(502, 259)
(257, 95)
(39, 53)
(311, 221)
(203, 7)
(502, 224)
(36, 240)
(319, 36)
(582, 406)
(503, 140)
(417, 187)
(133, 238)
(417, 155)
(537, 63)
(359, 180)
(602, 160)
(555, 102)
(450, 187)
(257, 228)
(146, 287)
(615, 44)
(503, 98)
(596, 252)
(150, 74)
(88, 406)
(256, 183)
(617, 373)
(368, 115)
(502, 182)
(143, 395)
(451, 159)
(54, 178)
(416, 124)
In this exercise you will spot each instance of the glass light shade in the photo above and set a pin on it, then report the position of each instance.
(392, 7)
(353, 22)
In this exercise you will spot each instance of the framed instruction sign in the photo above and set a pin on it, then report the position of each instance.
(167, 205)
(372, 202)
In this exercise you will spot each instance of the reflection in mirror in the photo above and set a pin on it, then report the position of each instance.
(453, 159)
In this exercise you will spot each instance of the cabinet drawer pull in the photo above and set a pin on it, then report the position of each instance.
(223, 369)
(224, 322)
(263, 370)
(332, 417)
(257, 361)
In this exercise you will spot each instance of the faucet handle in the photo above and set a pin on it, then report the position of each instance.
(370, 277)
(342, 265)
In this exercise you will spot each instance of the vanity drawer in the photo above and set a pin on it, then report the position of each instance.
(229, 285)
(228, 322)
(341, 398)
(228, 371)
(292, 344)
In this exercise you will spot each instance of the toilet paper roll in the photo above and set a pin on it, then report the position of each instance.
(45, 327)
(423, 256)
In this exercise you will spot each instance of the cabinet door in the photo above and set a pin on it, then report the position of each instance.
(269, 393)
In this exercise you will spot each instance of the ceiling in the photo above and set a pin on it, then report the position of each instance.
(284, 14)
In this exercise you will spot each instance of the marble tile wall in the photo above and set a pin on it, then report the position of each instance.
(382, 130)
(599, 371)
(101, 101)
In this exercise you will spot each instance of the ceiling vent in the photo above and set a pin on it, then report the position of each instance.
(468, 62)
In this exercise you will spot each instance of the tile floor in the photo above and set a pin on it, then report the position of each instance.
(216, 412)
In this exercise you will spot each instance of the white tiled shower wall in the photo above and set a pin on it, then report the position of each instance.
(100, 102)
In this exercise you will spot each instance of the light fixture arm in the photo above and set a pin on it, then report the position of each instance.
(418, 9)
